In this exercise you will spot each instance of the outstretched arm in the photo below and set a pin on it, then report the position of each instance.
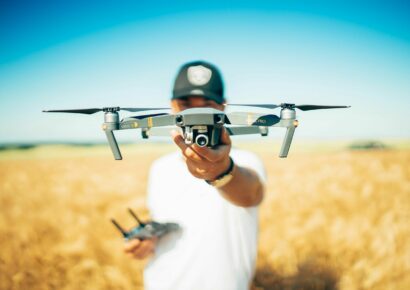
(244, 189)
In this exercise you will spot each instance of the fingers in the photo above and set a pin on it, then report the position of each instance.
(218, 153)
(178, 139)
(225, 138)
(196, 168)
(187, 151)
(198, 154)
(132, 245)
(214, 154)
(190, 153)
(139, 249)
(143, 251)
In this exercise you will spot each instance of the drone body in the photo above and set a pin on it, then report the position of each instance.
(146, 230)
(202, 126)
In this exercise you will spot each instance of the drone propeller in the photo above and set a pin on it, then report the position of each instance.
(266, 106)
(291, 106)
(318, 107)
(147, 115)
(105, 109)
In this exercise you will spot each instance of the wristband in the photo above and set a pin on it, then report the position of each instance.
(223, 178)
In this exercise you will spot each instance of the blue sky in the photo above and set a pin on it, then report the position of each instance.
(74, 55)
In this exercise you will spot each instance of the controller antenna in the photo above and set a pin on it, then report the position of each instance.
(123, 232)
(136, 218)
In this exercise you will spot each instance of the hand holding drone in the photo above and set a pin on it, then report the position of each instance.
(202, 126)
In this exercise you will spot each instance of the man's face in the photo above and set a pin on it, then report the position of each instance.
(181, 104)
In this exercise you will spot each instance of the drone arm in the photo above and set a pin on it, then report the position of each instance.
(161, 131)
(243, 130)
(252, 119)
(147, 122)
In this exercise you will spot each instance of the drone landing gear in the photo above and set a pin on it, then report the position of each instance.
(284, 150)
(111, 121)
(113, 144)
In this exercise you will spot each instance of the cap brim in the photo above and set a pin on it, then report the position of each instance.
(198, 92)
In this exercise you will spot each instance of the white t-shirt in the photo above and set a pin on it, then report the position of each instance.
(217, 245)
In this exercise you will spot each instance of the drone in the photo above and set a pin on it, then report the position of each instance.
(146, 230)
(201, 126)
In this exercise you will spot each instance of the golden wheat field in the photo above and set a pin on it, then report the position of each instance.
(333, 220)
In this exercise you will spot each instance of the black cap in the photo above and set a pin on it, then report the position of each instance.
(199, 78)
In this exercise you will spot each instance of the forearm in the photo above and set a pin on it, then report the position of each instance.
(244, 189)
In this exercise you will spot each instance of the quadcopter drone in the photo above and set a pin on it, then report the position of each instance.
(146, 230)
(201, 126)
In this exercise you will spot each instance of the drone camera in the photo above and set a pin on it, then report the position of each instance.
(201, 140)
(202, 135)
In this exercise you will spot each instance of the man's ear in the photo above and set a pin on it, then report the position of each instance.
(174, 106)
(222, 106)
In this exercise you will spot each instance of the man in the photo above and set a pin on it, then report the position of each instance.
(212, 194)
